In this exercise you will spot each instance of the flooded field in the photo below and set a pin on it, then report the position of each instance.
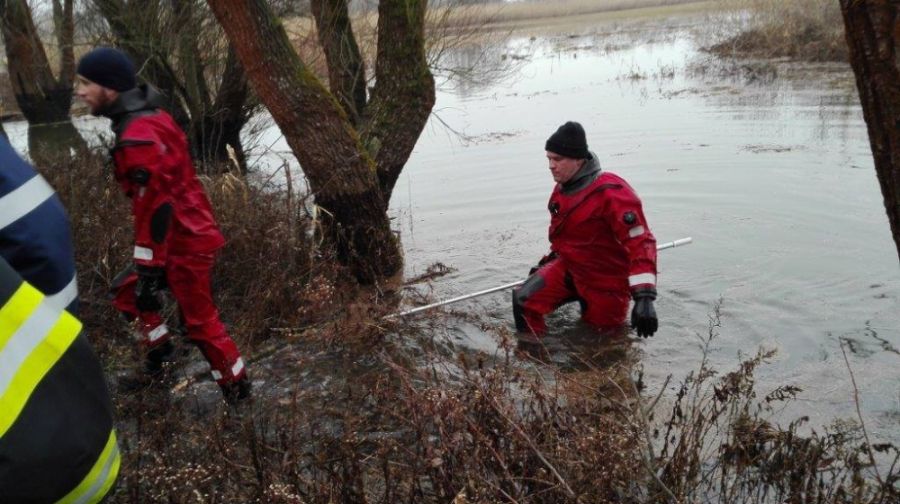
(766, 165)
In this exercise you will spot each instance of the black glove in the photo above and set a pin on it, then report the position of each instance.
(150, 281)
(643, 315)
(544, 260)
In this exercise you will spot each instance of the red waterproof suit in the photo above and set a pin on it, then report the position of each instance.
(174, 227)
(601, 250)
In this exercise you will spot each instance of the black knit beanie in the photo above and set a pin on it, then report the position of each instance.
(569, 140)
(109, 67)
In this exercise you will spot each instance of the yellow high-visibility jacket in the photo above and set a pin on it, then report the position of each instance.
(57, 442)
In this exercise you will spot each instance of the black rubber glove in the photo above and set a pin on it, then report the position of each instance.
(150, 281)
(643, 315)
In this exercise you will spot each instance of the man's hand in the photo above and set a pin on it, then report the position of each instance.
(150, 281)
(643, 315)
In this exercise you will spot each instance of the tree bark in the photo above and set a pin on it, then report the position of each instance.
(40, 96)
(134, 29)
(341, 174)
(50, 143)
(222, 123)
(404, 89)
(871, 30)
(165, 39)
(64, 26)
(346, 69)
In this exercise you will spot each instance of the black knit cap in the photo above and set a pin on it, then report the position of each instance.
(569, 140)
(111, 68)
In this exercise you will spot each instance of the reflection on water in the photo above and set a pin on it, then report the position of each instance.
(766, 165)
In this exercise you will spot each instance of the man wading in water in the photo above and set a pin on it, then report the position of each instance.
(602, 253)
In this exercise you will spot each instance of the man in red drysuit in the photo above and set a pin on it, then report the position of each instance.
(602, 252)
(176, 236)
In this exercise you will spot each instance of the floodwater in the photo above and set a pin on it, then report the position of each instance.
(766, 166)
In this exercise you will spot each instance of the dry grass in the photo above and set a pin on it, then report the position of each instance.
(810, 30)
(510, 15)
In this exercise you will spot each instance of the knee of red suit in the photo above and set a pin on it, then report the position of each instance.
(604, 311)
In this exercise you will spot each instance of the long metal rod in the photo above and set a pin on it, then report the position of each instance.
(663, 246)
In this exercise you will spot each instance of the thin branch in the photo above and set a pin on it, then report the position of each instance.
(862, 423)
(534, 448)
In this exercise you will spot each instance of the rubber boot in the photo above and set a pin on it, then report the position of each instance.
(236, 392)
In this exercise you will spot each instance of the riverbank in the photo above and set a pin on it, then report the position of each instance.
(530, 15)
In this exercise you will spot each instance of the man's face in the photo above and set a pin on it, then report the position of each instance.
(563, 168)
(95, 96)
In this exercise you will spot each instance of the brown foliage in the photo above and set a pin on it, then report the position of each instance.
(808, 30)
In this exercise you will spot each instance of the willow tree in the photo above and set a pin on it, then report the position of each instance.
(177, 46)
(351, 141)
(42, 97)
(873, 34)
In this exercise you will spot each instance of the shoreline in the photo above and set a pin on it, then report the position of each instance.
(520, 18)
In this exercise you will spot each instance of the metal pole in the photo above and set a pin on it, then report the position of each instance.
(663, 246)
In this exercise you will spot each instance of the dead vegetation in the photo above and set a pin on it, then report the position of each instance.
(511, 14)
(807, 30)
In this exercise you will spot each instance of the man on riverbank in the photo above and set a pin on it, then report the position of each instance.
(602, 252)
(176, 236)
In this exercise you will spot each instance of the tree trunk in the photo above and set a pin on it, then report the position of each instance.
(404, 89)
(340, 171)
(222, 122)
(49, 144)
(169, 41)
(346, 70)
(64, 26)
(136, 33)
(871, 28)
(41, 97)
(44, 100)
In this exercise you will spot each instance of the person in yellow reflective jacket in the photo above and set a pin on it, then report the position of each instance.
(57, 441)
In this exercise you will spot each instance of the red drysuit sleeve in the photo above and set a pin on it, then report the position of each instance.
(140, 164)
(625, 216)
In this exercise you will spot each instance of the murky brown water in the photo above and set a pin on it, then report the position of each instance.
(768, 170)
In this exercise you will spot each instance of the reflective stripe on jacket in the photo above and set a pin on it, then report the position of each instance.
(34, 229)
(57, 442)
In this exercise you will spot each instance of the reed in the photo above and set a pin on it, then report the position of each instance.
(810, 30)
